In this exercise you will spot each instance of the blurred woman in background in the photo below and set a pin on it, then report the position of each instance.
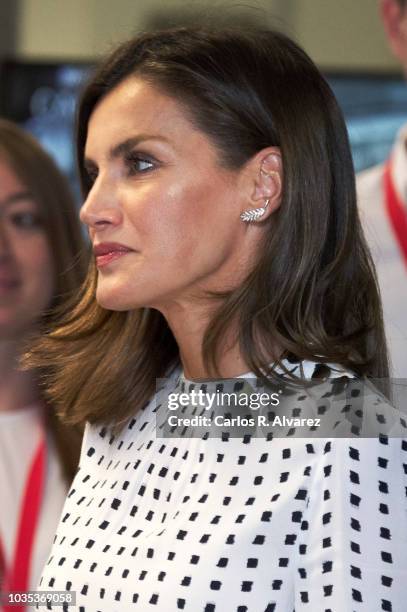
(41, 263)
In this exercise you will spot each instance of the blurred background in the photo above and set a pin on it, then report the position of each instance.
(48, 47)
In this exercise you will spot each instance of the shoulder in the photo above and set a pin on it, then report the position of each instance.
(341, 404)
(369, 185)
(369, 454)
(362, 477)
(369, 179)
(355, 535)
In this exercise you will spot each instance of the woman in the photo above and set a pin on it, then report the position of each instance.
(40, 240)
(221, 207)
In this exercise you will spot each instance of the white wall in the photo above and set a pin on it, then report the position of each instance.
(336, 33)
(342, 33)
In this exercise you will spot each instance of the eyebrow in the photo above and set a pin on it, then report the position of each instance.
(17, 197)
(122, 148)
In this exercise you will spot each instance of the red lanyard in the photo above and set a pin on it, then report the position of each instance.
(396, 211)
(15, 577)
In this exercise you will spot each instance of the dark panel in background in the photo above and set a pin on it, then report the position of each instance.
(42, 98)
(375, 107)
(9, 12)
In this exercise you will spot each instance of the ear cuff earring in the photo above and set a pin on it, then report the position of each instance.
(255, 214)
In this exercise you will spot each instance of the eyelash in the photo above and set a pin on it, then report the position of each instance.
(131, 160)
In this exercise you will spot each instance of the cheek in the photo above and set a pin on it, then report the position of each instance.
(36, 267)
(187, 222)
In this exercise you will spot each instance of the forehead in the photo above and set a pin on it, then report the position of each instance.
(137, 106)
(9, 181)
(12, 189)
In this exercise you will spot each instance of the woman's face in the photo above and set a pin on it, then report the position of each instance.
(159, 191)
(26, 270)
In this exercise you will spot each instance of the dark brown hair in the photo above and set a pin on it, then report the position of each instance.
(312, 291)
(38, 172)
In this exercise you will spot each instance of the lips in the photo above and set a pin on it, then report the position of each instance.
(106, 252)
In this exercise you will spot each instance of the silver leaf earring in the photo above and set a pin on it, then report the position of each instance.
(255, 214)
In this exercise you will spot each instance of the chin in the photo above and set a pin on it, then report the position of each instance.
(123, 296)
(110, 295)
(114, 300)
(110, 302)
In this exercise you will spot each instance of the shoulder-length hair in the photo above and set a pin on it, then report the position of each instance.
(50, 190)
(311, 292)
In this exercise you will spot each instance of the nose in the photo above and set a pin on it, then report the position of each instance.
(101, 208)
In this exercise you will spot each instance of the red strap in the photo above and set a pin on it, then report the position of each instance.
(16, 577)
(396, 211)
(2, 568)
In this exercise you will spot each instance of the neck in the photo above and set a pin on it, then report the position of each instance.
(17, 388)
(188, 324)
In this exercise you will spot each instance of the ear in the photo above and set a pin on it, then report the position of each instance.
(264, 176)
(394, 19)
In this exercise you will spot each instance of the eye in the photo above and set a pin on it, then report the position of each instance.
(139, 163)
(26, 220)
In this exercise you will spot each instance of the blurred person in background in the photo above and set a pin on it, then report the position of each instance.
(41, 263)
(382, 193)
